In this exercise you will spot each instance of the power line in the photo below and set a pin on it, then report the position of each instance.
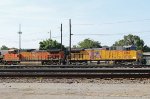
(75, 34)
(109, 34)
(117, 22)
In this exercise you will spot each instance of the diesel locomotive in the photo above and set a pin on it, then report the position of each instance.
(78, 56)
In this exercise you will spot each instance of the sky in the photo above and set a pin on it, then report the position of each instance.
(105, 21)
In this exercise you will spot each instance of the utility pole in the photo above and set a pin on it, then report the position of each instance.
(70, 41)
(61, 61)
(61, 37)
(19, 40)
(49, 39)
(50, 35)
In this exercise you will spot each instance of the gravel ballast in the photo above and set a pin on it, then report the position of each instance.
(75, 80)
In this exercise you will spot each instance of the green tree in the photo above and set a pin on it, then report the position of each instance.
(50, 44)
(4, 47)
(75, 46)
(146, 48)
(88, 43)
(131, 40)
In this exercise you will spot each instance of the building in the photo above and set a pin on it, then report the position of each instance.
(146, 57)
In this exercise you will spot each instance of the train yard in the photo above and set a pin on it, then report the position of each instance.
(74, 71)
(89, 63)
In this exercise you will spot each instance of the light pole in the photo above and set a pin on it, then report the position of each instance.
(19, 40)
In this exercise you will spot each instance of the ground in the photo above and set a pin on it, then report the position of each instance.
(74, 91)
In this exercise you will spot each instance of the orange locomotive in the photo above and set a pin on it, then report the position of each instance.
(45, 57)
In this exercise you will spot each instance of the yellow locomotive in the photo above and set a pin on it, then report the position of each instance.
(106, 56)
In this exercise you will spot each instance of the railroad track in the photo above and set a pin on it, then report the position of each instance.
(74, 66)
(76, 72)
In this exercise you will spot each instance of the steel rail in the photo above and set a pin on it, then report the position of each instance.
(75, 70)
(89, 75)
(74, 66)
(69, 72)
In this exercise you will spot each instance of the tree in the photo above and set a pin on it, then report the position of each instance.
(50, 44)
(131, 40)
(146, 48)
(4, 47)
(88, 43)
(75, 46)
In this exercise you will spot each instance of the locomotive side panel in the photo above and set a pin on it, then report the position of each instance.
(34, 56)
(119, 56)
(44, 57)
(11, 58)
(80, 56)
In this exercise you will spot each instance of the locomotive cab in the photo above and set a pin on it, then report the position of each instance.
(11, 58)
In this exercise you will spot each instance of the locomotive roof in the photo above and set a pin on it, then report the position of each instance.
(76, 49)
(94, 49)
(28, 50)
(36, 50)
(54, 50)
